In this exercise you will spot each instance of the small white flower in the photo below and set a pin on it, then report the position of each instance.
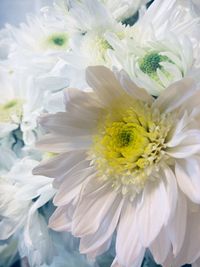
(161, 48)
(22, 194)
(11, 103)
(91, 21)
(125, 164)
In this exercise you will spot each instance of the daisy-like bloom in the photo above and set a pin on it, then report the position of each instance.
(162, 46)
(25, 95)
(37, 48)
(91, 20)
(124, 164)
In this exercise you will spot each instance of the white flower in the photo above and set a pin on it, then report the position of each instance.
(25, 97)
(22, 194)
(10, 104)
(124, 160)
(161, 48)
(91, 21)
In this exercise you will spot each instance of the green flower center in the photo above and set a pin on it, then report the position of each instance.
(58, 40)
(151, 62)
(125, 137)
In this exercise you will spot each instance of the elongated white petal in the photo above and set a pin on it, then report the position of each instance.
(177, 225)
(72, 183)
(128, 246)
(104, 83)
(62, 218)
(161, 247)
(59, 164)
(151, 216)
(91, 243)
(175, 95)
(172, 191)
(61, 144)
(188, 176)
(95, 197)
(132, 89)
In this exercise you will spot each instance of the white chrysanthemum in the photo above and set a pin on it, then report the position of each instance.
(123, 9)
(91, 21)
(125, 164)
(37, 48)
(161, 47)
(24, 98)
(11, 103)
(22, 194)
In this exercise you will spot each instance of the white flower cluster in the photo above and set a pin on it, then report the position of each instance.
(115, 164)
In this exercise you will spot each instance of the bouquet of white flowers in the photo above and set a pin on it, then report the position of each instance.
(100, 135)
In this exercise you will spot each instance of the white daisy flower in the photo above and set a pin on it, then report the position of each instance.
(124, 159)
(162, 47)
(24, 98)
(37, 49)
(91, 21)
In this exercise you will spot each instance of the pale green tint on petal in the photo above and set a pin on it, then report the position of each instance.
(11, 111)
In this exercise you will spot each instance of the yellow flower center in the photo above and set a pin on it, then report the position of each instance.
(129, 145)
(11, 111)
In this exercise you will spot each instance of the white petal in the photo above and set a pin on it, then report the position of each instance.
(100, 250)
(172, 192)
(177, 226)
(61, 144)
(188, 176)
(95, 202)
(59, 164)
(128, 246)
(175, 95)
(72, 183)
(161, 247)
(152, 212)
(132, 89)
(62, 218)
(103, 82)
(91, 243)
(61, 123)
(188, 143)
(190, 250)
